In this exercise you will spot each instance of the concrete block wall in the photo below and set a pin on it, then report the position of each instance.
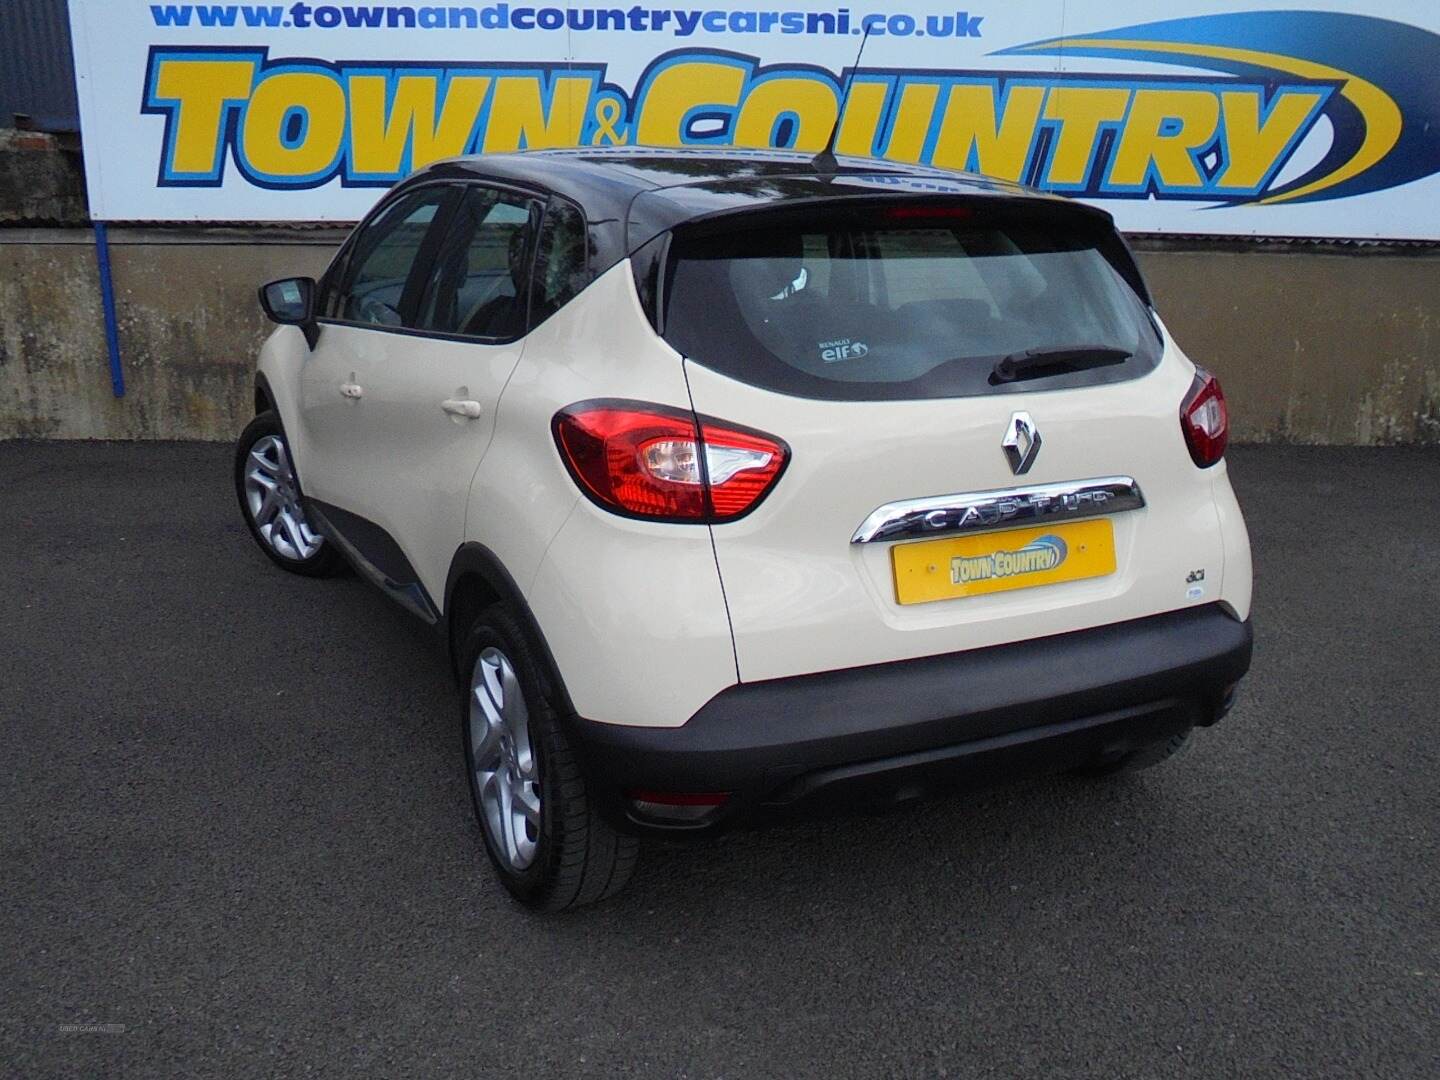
(190, 328)
(1324, 346)
(1338, 347)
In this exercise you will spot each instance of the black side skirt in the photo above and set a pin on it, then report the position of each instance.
(375, 555)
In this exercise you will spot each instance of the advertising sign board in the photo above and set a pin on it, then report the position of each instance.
(1222, 118)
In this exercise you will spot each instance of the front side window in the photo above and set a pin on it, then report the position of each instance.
(905, 302)
(478, 286)
(373, 292)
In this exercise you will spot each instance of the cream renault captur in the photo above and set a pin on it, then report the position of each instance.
(740, 485)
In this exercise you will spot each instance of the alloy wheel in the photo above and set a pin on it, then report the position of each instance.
(505, 773)
(273, 498)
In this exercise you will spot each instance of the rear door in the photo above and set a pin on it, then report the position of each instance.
(990, 508)
(432, 396)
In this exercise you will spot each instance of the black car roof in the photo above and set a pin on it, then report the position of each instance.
(632, 194)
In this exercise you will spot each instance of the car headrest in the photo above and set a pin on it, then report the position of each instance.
(764, 265)
(519, 267)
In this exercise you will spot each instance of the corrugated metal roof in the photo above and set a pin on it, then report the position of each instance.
(37, 68)
(1277, 244)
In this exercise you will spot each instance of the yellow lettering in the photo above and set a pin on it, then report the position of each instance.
(518, 119)
(1164, 126)
(265, 145)
(378, 140)
(912, 121)
(811, 100)
(201, 89)
(677, 90)
(864, 105)
(1080, 110)
(1002, 145)
(1251, 149)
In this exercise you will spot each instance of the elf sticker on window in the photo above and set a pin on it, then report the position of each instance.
(845, 349)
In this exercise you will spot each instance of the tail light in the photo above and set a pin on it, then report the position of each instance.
(651, 461)
(1205, 420)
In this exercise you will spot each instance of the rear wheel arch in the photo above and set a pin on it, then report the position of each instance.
(478, 579)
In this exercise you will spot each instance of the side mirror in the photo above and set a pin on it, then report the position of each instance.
(291, 302)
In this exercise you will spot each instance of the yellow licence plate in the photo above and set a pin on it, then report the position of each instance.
(996, 562)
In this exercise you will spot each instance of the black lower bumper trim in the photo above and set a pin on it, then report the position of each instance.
(892, 730)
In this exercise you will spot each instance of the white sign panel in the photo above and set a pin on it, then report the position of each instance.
(1221, 118)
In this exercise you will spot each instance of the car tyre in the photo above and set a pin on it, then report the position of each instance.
(271, 503)
(548, 843)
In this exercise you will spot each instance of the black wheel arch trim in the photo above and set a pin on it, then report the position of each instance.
(476, 559)
(262, 391)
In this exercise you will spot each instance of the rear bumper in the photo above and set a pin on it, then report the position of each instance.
(899, 730)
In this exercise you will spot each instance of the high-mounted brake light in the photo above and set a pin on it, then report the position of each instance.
(649, 461)
(1205, 420)
(922, 211)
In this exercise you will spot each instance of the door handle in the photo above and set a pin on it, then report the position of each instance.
(469, 409)
(351, 390)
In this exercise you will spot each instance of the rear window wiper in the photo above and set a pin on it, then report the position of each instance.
(1055, 360)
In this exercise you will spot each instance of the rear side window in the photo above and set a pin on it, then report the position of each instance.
(562, 265)
(905, 302)
(385, 253)
(479, 281)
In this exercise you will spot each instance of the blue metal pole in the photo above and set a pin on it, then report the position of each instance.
(107, 300)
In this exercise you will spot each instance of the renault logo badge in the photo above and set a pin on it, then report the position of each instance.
(1021, 443)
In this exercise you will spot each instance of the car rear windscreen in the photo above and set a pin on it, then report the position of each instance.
(909, 301)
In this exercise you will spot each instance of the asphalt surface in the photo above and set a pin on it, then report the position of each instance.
(236, 826)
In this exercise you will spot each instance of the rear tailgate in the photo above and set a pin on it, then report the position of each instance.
(803, 597)
(893, 345)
